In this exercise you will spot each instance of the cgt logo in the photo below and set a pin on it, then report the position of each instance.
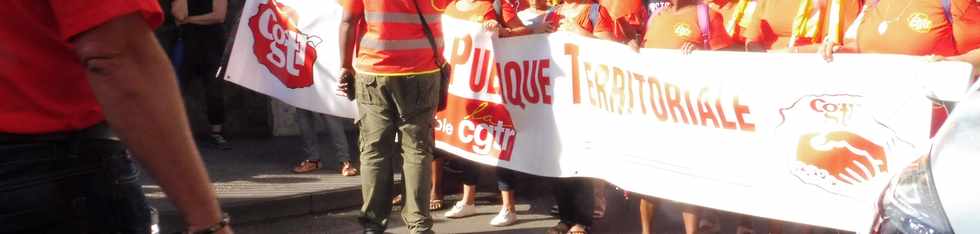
(840, 144)
(481, 127)
(289, 54)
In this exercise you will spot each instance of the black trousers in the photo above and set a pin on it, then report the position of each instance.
(203, 46)
(167, 35)
(575, 200)
(471, 175)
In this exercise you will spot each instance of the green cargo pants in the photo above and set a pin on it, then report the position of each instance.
(405, 104)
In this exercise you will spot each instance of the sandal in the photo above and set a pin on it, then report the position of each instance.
(348, 170)
(307, 166)
(435, 205)
(397, 200)
(560, 228)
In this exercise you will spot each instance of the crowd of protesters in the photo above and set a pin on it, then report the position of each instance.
(100, 46)
(939, 29)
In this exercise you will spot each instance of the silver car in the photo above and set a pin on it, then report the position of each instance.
(939, 193)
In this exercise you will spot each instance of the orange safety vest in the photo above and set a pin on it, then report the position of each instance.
(394, 43)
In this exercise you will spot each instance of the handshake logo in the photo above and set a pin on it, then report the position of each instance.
(840, 144)
(843, 156)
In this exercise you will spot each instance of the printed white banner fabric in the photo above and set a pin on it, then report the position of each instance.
(289, 50)
(783, 136)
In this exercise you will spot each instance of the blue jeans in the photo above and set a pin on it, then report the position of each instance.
(335, 128)
(89, 186)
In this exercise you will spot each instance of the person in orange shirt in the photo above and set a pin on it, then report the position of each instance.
(679, 27)
(575, 196)
(685, 25)
(583, 17)
(628, 17)
(947, 28)
(737, 15)
(484, 12)
(508, 9)
(535, 14)
(799, 25)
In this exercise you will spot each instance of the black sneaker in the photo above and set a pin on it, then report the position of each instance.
(218, 141)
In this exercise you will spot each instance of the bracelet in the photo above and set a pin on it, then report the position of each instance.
(214, 228)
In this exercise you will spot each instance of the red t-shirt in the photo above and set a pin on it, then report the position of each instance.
(671, 29)
(508, 10)
(477, 11)
(626, 14)
(920, 27)
(43, 87)
(578, 19)
(772, 23)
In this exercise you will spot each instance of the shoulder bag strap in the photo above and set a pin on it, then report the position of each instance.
(704, 23)
(428, 35)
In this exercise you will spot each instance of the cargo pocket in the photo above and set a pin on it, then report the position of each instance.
(366, 90)
(428, 87)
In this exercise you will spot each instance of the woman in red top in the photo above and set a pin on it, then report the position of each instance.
(917, 27)
(628, 17)
(737, 15)
(578, 16)
(678, 27)
(484, 12)
(795, 25)
(575, 196)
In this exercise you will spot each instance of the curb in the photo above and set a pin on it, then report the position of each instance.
(278, 207)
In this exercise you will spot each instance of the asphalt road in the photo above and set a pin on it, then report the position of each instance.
(622, 217)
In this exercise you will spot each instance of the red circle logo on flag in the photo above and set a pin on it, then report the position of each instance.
(288, 53)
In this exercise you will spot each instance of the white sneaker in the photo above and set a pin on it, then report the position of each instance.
(504, 218)
(461, 209)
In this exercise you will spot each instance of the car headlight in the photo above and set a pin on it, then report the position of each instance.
(910, 203)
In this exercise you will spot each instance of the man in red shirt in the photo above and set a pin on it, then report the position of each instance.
(67, 67)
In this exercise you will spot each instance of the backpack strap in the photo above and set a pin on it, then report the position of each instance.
(947, 10)
(704, 23)
(594, 14)
(498, 8)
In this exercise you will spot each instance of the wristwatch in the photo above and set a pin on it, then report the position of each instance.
(214, 228)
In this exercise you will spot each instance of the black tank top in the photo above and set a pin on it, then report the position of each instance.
(199, 7)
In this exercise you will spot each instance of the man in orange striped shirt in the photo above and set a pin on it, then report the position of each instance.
(397, 89)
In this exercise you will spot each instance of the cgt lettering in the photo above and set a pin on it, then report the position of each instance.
(486, 137)
(289, 54)
(837, 112)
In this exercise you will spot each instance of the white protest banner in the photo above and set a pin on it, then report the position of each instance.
(782, 136)
(288, 49)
